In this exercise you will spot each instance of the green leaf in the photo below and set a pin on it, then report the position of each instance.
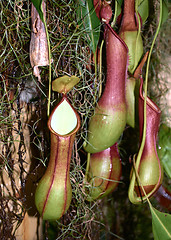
(164, 150)
(118, 11)
(119, 7)
(143, 10)
(88, 21)
(165, 12)
(38, 6)
(161, 224)
(120, 2)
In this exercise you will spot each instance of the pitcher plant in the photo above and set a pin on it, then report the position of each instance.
(53, 194)
(109, 119)
(104, 173)
(149, 167)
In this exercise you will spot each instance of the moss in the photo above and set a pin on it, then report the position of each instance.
(71, 55)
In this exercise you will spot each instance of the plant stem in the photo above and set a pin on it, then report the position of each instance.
(100, 70)
(49, 53)
(88, 165)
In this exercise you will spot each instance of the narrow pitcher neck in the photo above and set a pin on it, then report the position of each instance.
(117, 61)
(152, 121)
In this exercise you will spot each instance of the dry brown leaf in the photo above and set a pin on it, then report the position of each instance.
(39, 55)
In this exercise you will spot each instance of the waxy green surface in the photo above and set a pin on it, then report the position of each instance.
(150, 173)
(104, 173)
(105, 128)
(53, 194)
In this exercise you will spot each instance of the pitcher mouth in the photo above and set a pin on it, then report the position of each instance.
(64, 120)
